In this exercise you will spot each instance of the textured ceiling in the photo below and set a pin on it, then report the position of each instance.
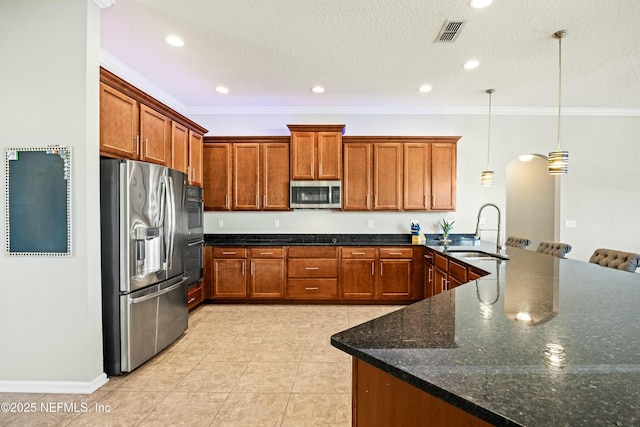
(372, 55)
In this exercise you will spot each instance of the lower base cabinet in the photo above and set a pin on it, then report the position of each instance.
(380, 400)
(195, 295)
(365, 274)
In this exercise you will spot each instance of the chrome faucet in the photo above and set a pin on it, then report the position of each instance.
(499, 246)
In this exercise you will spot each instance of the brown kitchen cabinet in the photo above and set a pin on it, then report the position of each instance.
(136, 126)
(443, 176)
(195, 295)
(194, 171)
(155, 136)
(387, 176)
(316, 152)
(356, 187)
(358, 272)
(417, 182)
(217, 176)
(399, 173)
(429, 273)
(268, 272)
(119, 123)
(246, 173)
(179, 147)
(312, 272)
(230, 272)
(395, 278)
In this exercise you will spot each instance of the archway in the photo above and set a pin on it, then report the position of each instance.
(530, 199)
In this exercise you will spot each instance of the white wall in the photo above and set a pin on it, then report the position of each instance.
(530, 200)
(600, 196)
(51, 325)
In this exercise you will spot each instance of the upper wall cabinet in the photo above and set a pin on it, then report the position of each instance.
(135, 126)
(246, 173)
(399, 173)
(316, 152)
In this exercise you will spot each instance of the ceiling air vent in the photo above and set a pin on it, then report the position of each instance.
(450, 31)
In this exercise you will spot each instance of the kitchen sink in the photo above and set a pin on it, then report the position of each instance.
(476, 255)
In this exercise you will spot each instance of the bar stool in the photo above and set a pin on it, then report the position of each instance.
(517, 242)
(554, 248)
(626, 261)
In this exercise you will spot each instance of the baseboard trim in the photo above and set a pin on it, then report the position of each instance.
(59, 387)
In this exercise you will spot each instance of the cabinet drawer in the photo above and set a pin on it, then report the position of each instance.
(396, 253)
(313, 267)
(267, 252)
(313, 252)
(229, 252)
(356, 252)
(312, 288)
(457, 272)
(195, 296)
(441, 262)
(429, 256)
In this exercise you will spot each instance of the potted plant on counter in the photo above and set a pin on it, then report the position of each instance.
(446, 228)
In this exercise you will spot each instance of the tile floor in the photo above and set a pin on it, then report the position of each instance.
(237, 365)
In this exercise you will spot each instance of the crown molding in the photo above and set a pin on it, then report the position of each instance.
(123, 71)
(103, 4)
(120, 69)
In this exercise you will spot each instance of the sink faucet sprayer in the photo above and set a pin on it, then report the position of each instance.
(499, 246)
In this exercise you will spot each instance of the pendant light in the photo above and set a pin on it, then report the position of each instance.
(559, 159)
(487, 175)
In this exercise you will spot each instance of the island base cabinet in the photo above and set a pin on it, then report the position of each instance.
(380, 399)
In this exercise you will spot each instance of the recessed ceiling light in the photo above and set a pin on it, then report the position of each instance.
(479, 4)
(222, 89)
(174, 40)
(425, 88)
(470, 65)
(317, 89)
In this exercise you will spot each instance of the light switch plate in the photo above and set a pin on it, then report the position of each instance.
(570, 223)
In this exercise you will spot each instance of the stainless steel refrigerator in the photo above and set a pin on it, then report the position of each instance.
(144, 239)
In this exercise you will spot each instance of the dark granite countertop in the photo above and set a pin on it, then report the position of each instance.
(467, 346)
(326, 239)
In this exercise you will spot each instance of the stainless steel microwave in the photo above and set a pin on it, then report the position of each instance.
(315, 195)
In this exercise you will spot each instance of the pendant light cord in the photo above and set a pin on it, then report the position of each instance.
(559, 35)
(489, 91)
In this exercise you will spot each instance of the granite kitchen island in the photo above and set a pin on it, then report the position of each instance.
(541, 341)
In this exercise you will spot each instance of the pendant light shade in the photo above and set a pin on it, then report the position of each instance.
(559, 159)
(488, 175)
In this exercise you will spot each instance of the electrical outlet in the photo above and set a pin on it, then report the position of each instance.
(276, 223)
(369, 223)
(220, 223)
(570, 223)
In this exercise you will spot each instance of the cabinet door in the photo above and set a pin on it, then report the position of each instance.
(207, 273)
(229, 278)
(387, 176)
(429, 281)
(395, 280)
(119, 123)
(217, 176)
(275, 176)
(329, 156)
(155, 136)
(267, 278)
(439, 282)
(246, 176)
(303, 156)
(195, 158)
(443, 176)
(357, 177)
(417, 167)
(357, 278)
(179, 147)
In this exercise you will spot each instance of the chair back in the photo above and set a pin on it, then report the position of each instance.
(554, 248)
(627, 261)
(517, 242)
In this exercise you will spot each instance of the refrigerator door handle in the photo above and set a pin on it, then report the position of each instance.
(157, 294)
(171, 220)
